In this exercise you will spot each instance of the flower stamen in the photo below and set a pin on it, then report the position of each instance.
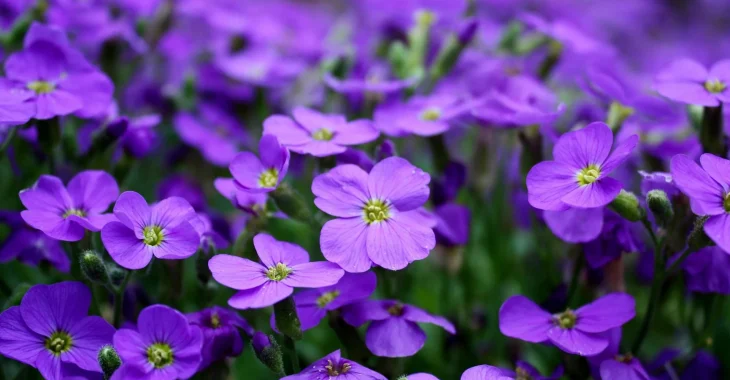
(58, 343)
(153, 235)
(323, 134)
(160, 355)
(588, 175)
(278, 272)
(566, 319)
(376, 211)
(74, 211)
(269, 178)
(41, 87)
(327, 297)
(715, 86)
(431, 114)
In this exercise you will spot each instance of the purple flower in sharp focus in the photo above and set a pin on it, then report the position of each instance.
(708, 271)
(221, 338)
(261, 175)
(377, 215)
(573, 331)
(708, 189)
(687, 81)
(183, 187)
(421, 115)
(215, 133)
(575, 225)
(141, 138)
(523, 370)
(313, 305)
(164, 346)
(578, 176)
(452, 224)
(393, 330)
(284, 266)
(31, 246)
(51, 331)
(335, 367)
(65, 213)
(163, 231)
(320, 135)
(522, 101)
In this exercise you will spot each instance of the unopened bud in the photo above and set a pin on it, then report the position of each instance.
(660, 206)
(116, 274)
(627, 205)
(698, 239)
(268, 352)
(287, 321)
(109, 361)
(94, 268)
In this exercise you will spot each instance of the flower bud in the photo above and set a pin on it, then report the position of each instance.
(116, 274)
(627, 205)
(698, 239)
(94, 268)
(467, 31)
(660, 206)
(109, 361)
(287, 320)
(268, 352)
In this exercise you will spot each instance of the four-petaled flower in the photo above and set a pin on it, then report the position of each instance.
(261, 176)
(335, 367)
(687, 81)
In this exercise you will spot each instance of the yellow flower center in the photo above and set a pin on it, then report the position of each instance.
(74, 211)
(588, 175)
(58, 343)
(153, 235)
(726, 203)
(279, 272)
(715, 86)
(160, 355)
(215, 320)
(376, 211)
(269, 178)
(327, 297)
(323, 134)
(334, 370)
(566, 319)
(41, 87)
(431, 114)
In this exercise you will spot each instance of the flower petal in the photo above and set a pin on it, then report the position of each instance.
(89, 335)
(160, 323)
(132, 347)
(265, 295)
(717, 228)
(56, 103)
(344, 241)
(318, 148)
(487, 372)
(521, 318)
(548, 182)
(273, 154)
(54, 225)
(356, 132)
(286, 130)
(314, 275)
(619, 155)
(418, 315)
(605, 313)
(49, 366)
(718, 168)
(236, 272)
(47, 194)
(596, 194)
(17, 341)
(575, 225)
(398, 182)
(132, 210)
(574, 341)
(179, 242)
(684, 70)
(359, 313)
(48, 308)
(343, 191)
(124, 246)
(272, 251)
(687, 92)
(705, 193)
(246, 169)
(584, 147)
(170, 212)
(394, 338)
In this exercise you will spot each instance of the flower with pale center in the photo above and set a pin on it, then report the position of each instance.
(41, 87)
(431, 114)
(726, 203)
(715, 86)
(376, 211)
(335, 370)
(278, 272)
(327, 297)
(269, 178)
(153, 235)
(323, 134)
(74, 211)
(160, 355)
(566, 319)
(396, 310)
(58, 343)
(588, 175)
(215, 320)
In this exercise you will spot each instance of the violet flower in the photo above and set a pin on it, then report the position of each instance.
(221, 338)
(164, 346)
(575, 225)
(216, 134)
(421, 115)
(707, 189)
(453, 222)
(320, 135)
(578, 176)
(50, 331)
(183, 187)
(141, 138)
(575, 332)
(394, 330)
(623, 367)
(377, 220)
(523, 370)
(208, 236)
(335, 367)
(163, 231)
(687, 81)
(284, 266)
(65, 213)
(31, 246)
(708, 271)
(522, 101)
(261, 175)
(618, 236)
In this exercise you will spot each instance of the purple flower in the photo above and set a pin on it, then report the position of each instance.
(284, 266)
(253, 203)
(335, 367)
(141, 138)
(523, 370)
(261, 175)
(617, 236)
(394, 330)
(420, 376)
(65, 213)
(452, 224)
(183, 187)
(373, 80)
(31, 246)
(261, 67)
(320, 135)
(522, 101)
(208, 236)
(221, 338)
(421, 115)
(377, 220)
(708, 271)
(577, 332)
(623, 367)
(313, 305)
(658, 181)
(163, 230)
(566, 33)
(164, 346)
(708, 191)
(216, 134)
(575, 225)
(687, 81)
(51, 332)
(578, 176)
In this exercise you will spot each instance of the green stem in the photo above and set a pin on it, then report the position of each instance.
(8, 139)
(293, 357)
(119, 299)
(651, 306)
(647, 225)
(577, 268)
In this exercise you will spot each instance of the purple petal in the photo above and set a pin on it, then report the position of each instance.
(521, 318)
(720, 70)
(718, 168)
(394, 338)
(314, 275)
(56, 103)
(487, 372)
(584, 147)
(344, 241)
(353, 287)
(17, 341)
(286, 130)
(160, 323)
(343, 191)
(422, 376)
(272, 251)
(717, 228)
(54, 225)
(399, 183)
(89, 335)
(415, 314)
(179, 242)
(94, 89)
(690, 93)
(318, 148)
(705, 193)
(607, 312)
(43, 60)
(548, 182)
(273, 155)
(236, 272)
(596, 194)
(246, 169)
(170, 212)
(48, 308)
(575, 225)
(684, 70)
(358, 313)
(188, 353)
(48, 194)
(356, 132)
(265, 295)
(132, 347)
(613, 370)
(391, 245)
(49, 366)
(124, 246)
(132, 210)
(574, 341)
(312, 120)
(619, 155)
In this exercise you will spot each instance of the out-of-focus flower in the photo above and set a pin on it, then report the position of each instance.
(31, 246)
(521, 101)
(393, 330)
(335, 367)
(183, 187)
(221, 338)
(208, 236)
(421, 115)
(452, 224)
(50, 331)
(65, 213)
(163, 231)
(708, 271)
(320, 135)
(687, 81)
(261, 175)
(216, 134)
(377, 219)
(284, 266)
(141, 137)
(618, 236)
(261, 67)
